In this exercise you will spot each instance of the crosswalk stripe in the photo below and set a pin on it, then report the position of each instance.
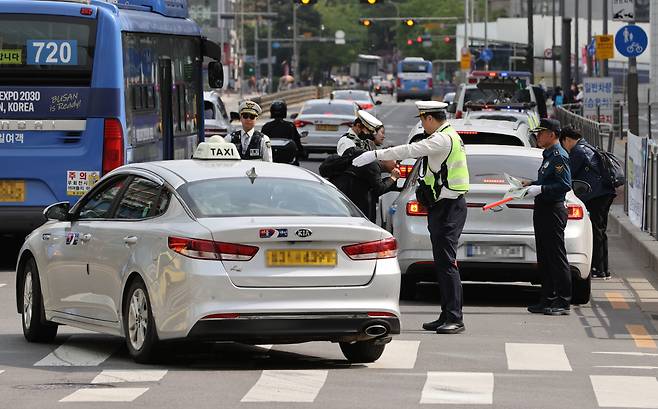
(641, 336)
(474, 388)
(138, 375)
(77, 352)
(105, 395)
(287, 386)
(625, 353)
(626, 367)
(625, 391)
(2, 371)
(2, 285)
(537, 357)
(398, 355)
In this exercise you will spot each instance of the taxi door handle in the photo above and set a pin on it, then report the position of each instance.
(86, 237)
(130, 239)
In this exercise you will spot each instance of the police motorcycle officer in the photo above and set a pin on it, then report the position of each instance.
(443, 183)
(550, 219)
(279, 128)
(251, 143)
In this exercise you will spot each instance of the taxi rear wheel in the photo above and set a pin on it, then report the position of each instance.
(362, 351)
(34, 329)
(138, 324)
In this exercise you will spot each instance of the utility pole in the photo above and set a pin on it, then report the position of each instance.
(553, 50)
(590, 62)
(241, 51)
(486, 32)
(295, 50)
(256, 63)
(633, 100)
(565, 58)
(466, 3)
(269, 51)
(530, 52)
(604, 63)
(577, 46)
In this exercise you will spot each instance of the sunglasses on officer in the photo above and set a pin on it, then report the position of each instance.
(248, 116)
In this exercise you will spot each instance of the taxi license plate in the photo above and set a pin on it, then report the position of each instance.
(296, 258)
(12, 190)
(494, 251)
(324, 127)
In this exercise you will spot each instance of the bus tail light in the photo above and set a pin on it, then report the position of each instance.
(414, 208)
(430, 83)
(398, 83)
(112, 145)
(372, 250)
(575, 212)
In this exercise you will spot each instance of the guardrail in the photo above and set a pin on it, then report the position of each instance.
(293, 96)
(593, 132)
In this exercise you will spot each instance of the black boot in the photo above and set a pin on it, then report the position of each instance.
(432, 326)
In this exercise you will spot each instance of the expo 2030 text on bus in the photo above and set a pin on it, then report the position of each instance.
(87, 86)
(414, 79)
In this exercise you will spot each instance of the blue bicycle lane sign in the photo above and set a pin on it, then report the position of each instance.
(631, 41)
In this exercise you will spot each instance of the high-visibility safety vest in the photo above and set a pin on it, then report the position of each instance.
(453, 174)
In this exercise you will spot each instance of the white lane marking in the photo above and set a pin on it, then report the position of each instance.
(537, 357)
(268, 346)
(2, 285)
(626, 367)
(1, 371)
(625, 391)
(287, 386)
(79, 353)
(472, 388)
(398, 355)
(138, 375)
(105, 395)
(626, 353)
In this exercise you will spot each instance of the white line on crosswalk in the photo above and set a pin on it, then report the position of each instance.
(625, 391)
(79, 352)
(287, 386)
(105, 395)
(1, 371)
(138, 375)
(537, 357)
(626, 367)
(473, 388)
(2, 285)
(398, 355)
(625, 353)
(265, 346)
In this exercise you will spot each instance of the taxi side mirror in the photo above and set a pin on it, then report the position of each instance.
(235, 116)
(215, 75)
(58, 211)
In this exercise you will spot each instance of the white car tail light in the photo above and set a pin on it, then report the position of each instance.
(211, 250)
(575, 212)
(414, 208)
(301, 123)
(372, 250)
(405, 170)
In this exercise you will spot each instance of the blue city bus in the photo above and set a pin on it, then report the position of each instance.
(87, 86)
(414, 79)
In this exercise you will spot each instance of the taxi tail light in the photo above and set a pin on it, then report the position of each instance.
(112, 145)
(414, 208)
(300, 123)
(405, 170)
(372, 250)
(380, 314)
(211, 250)
(575, 212)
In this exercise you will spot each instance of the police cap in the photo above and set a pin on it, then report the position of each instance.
(428, 107)
(369, 121)
(546, 124)
(250, 107)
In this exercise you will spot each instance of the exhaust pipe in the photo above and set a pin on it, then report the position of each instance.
(375, 331)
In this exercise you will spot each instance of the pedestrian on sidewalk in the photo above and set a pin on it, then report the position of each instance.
(550, 219)
(586, 168)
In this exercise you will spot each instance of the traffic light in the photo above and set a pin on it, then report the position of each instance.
(447, 39)
(419, 39)
(409, 22)
(370, 2)
(366, 22)
(410, 42)
(306, 2)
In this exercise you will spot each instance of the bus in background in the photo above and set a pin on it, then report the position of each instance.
(414, 79)
(365, 67)
(88, 86)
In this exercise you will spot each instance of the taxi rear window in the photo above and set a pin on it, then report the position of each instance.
(235, 197)
(491, 169)
(489, 138)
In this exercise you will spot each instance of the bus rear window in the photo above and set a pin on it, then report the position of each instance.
(414, 67)
(46, 50)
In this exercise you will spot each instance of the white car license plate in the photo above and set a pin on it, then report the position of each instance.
(494, 251)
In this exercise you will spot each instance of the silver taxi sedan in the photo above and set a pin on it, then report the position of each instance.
(212, 249)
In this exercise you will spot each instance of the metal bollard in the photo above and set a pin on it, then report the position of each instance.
(621, 120)
(649, 124)
(653, 186)
(647, 224)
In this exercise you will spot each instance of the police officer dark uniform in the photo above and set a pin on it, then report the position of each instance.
(361, 131)
(442, 184)
(278, 127)
(550, 219)
(586, 168)
(251, 143)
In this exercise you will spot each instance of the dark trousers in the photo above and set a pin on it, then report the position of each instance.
(598, 213)
(445, 221)
(549, 220)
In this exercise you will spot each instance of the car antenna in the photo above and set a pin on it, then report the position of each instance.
(251, 174)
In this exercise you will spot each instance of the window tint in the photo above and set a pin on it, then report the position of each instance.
(265, 197)
(140, 198)
(99, 204)
(329, 109)
(490, 138)
(492, 168)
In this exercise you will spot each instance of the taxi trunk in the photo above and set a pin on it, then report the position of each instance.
(307, 252)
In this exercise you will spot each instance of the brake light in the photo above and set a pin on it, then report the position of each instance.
(405, 170)
(472, 80)
(467, 132)
(398, 83)
(430, 83)
(112, 145)
(86, 11)
(492, 74)
(459, 115)
(366, 106)
(415, 209)
(300, 123)
(372, 250)
(211, 250)
(380, 314)
(575, 212)
(494, 181)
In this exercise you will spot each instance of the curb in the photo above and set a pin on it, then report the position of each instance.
(642, 243)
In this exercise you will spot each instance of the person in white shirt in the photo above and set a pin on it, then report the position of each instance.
(358, 135)
(251, 143)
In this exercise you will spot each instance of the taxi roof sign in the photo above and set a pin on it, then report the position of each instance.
(216, 148)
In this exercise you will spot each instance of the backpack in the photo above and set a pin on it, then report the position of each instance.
(612, 171)
(335, 165)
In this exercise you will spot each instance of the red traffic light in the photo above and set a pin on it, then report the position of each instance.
(410, 42)
(419, 39)
(447, 39)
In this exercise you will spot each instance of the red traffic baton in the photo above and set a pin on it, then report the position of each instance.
(498, 203)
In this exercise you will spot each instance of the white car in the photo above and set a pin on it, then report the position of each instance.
(207, 249)
(497, 245)
(216, 119)
(325, 121)
(484, 131)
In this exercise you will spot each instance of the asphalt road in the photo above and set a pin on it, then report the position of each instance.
(603, 355)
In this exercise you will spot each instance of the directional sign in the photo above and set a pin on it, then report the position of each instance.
(591, 48)
(631, 41)
(604, 47)
(486, 55)
(623, 10)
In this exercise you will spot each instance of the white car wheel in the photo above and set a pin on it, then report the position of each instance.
(34, 329)
(138, 318)
(140, 332)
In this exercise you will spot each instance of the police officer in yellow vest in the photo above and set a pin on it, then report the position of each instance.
(443, 181)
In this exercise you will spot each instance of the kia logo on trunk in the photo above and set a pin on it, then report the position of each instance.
(303, 233)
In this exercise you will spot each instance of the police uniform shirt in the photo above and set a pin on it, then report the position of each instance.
(554, 175)
(436, 147)
(346, 142)
(245, 139)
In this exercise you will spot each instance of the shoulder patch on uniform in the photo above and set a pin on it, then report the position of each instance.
(559, 168)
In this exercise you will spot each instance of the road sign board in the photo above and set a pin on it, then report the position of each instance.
(605, 48)
(591, 48)
(340, 37)
(623, 10)
(486, 55)
(276, 45)
(631, 41)
(598, 96)
(465, 63)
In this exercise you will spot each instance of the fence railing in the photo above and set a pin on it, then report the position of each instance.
(293, 96)
(593, 132)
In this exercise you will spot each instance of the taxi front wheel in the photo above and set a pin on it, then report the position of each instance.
(34, 329)
(138, 324)
(362, 351)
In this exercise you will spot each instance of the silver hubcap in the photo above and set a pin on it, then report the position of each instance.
(137, 319)
(27, 300)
